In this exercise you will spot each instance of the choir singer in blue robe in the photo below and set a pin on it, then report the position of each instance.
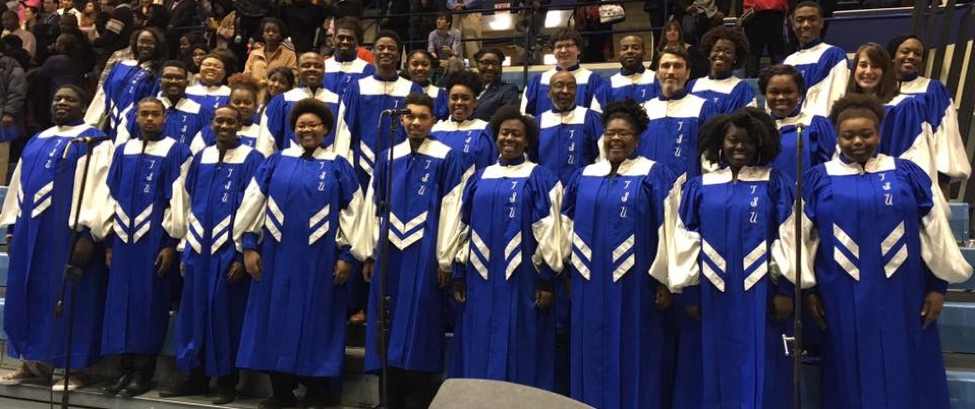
(296, 228)
(39, 208)
(727, 49)
(461, 131)
(725, 255)
(510, 249)
(878, 255)
(616, 238)
(824, 67)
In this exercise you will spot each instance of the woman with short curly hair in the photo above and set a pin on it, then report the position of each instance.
(726, 49)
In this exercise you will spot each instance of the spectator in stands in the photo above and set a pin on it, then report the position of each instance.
(157, 17)
(49, 13)
(13, 47)
(275, 134)
(593, 90)
(762, 21)
(182, 17)
(596, 34)
(303, 18)
(250, 24)
(31, 15)
(68, 6)
(114, 34)
(184, 49)
(13, 96)
(68, 24)
(569, 134)
(62, 68)
(11, 26)
(497, 93)
(422, 25)
(46, 31)
(272, 54)
(226, 31)
(39, 242)
(211, 91)
(444, 42)
(824, 67)
(468, 22)
(634, 81)
(420, 65)
(674, 37)
(908, 54)
(727, 49)
(198, 52)
(345, 66)
(697, 17)
(471, 137)
(858, 204)
(87, 18)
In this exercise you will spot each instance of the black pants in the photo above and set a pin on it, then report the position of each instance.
(140, 365)
(283, 386)
(410, 389)
(764, 29)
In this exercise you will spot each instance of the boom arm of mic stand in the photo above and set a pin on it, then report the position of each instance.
(386, 209)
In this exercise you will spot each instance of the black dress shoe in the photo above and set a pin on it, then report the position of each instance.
(278, 403)
(138, 386)
(224, 395)
(185, 388)
(116, 387)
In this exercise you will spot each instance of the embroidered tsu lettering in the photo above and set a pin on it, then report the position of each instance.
(152, 163)
(753, 219)
(753, 188)
(321, 186)
(882, 176)
(427, 166)
(321, 176)
(230, 172)
(680, 125)
(888, 199)
(225, 197)
(886, 186)
(513, 198)
(625, 198)
(754, 202)
(227, 185)
(514, 185)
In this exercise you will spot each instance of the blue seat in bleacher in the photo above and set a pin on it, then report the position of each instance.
(957, 325)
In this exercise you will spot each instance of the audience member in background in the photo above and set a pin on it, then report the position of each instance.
(597, 35)
(226, 31)
(634, 81)
(824, 68)
(272, 54)
(303, 18)
(31, 15)
(243, 97)
(279, 81)
(197, 52)
(68, 7)
(471, 137)
(420, 66)
(423, 25)
(250, 25)
(908, 53)
(38, 246)
(129, 81)
(157, 17)
(46, 31)
(673, 36)
(13, 97)
(345, 67)
(87, 18)
(697, 17)
(727, 49)
(568, 138)
(444, 41)
(783, 88)
(211, 91)
(184, 48)
(116, 32)
(11, 26)
(496, 92)
(762, 21)
(62, 68)
(147, 225)
(13, 47)
(593, 90)
(468, 22)
(184, 117)
(182, 18)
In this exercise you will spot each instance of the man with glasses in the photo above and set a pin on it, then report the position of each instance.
(184, 117)
(496, 93)
(593, 91)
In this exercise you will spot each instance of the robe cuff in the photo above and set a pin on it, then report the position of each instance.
(933, 283)
(691, 295)
(459, 271)
(86, 233)
(545, 285)
(785, 288)
(345, 254)
(169, 242)
(109, 240)
(546, 273)
(238, 257)
(249, 241)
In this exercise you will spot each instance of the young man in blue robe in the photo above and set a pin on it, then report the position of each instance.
(211, 92)
(142, 256)
(824, 67)
(215, 288)
(39, 210)
(275, 134)
(184, 117)
(593, 92)
(675, 117)
(635, 80)
(426, 188)
(569, 133)
(345, 66)
(461, 132)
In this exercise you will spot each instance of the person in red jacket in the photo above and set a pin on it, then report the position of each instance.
(763, 21)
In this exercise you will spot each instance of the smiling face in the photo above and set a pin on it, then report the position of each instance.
(311, 69)
(461, 101)
(512, 139)
(489, 67)
(738, 148)
(277, 84)
(867, 74)
(631, 53)
(907, 59)
(246, 103)
(418, 122)
(386, 53)
(442, 23)
(173, 82)
(212, 71)
(807, 23)
(310, 131)
(66, 106)
(619, 140)
(672, 74)
(782, 95)
(225, 125)
(419, 67)
(723, 57)
(146, 46)
(566, 53)
(562, 90)
(858, 138)
(185, 46)
(345, 44)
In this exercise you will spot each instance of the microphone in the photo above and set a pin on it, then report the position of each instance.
(91, 139)
(396, 112)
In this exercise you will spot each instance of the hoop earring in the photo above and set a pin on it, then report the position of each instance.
(721, 155)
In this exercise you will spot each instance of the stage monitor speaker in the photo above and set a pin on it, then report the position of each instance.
(458, 393)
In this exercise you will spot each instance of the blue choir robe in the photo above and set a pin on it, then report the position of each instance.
(360, 116)
(905, 134)
(616, 240)
(212, 310)
(142, 182)
(425, 205)
(247, 136)
(825, 71)
(276, 133)
(567, 141)
(40, 206)
(875, 241)
(592, 91)
(949, 150)
(728, 232)
(639, 86)
(441, 110)
(210, 97)
(727, 94)
(818, 142)
(339, 74)
(471, 137)
(127, 83)
(183, 121)
(510, 246)
(301, 214)
(671, 137)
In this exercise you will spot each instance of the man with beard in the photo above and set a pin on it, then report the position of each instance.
(147, 225)
(634, 81)
(593, 91)
(39, 209)
(184, 117)
(345, 66)
(824, 67)
(496, 93)
(275, 134)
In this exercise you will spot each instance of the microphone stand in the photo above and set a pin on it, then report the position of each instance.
(796, 338)
(385, 209)
(72, 273)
